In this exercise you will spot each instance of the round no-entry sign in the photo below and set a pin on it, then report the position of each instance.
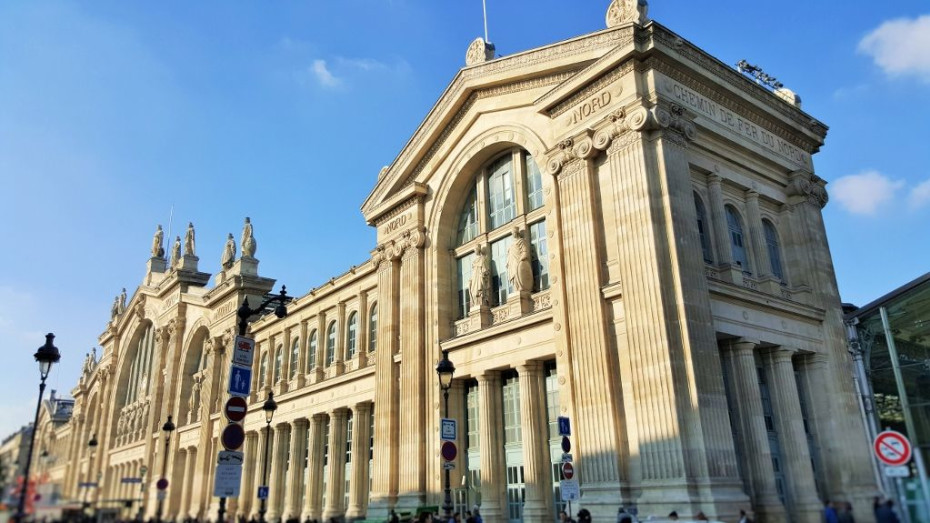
(236, 407)
(233, 436)
(448, 451)
(568, 470)
(892, 448)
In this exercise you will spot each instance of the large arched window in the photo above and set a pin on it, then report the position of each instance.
(506, 191)
(263, 370)
(352, 335)
(140, 372)
(702, 228)
(735, 226)
(311, 351)
(278, 362)
(373, 328)
(295, 356)
(771, 244)
(331, 344)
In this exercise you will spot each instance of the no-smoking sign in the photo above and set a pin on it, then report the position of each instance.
(892, 448)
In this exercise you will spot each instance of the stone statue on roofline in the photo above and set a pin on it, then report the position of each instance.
(122, 301)
(248, 244)
(229, 252)
(176, 252)
(158, 251)
(189, 247)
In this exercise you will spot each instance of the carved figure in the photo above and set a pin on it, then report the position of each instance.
(176, 252)
(249, 246)
(157, 250)
(626, 11)
(229, 252)
(189, 240)
(480, 279)
(114, 309)
(122, 301)
(519, 269)
(479, 51)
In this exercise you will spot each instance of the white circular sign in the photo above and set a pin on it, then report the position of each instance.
(892, 448)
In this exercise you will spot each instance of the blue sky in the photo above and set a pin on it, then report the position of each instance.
(113, 113)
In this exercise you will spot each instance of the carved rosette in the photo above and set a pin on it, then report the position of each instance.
(809, 186)
(627, 12)
(479, 52)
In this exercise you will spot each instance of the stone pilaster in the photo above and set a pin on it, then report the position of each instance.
(302, 358)
(752, 435)
(763, 267)
(358, 495)
(250, 470)
(295, 472)
(339, 360)
(321, 340)
(789, 423)
(387, 414)
(538, 504)
(286, 361)
(276, 482)
(718, 218)
(493, 467)
(313, 494)
(412, 488)
(187, 505)
(361, 339)
(335, 484)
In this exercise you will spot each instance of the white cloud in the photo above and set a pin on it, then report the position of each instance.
(864, 193)
(322, 74)
(900, 47)
(919, 196)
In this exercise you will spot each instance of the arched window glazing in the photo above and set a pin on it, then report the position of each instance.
(702, 228)
(373, 328)
(278, 363)
(735, 226)
(295, 357)
(263, 370)
(352, 335)
(311, 351)
(771, 245)
(331, 344)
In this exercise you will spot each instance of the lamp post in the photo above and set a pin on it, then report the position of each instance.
(445, 369)
(142, 470)
(91, 447)
(168, 428)
(245, 311)
(46, 356)
(269, 407)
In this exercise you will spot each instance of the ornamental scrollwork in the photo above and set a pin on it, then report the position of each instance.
(809, 186)
(411, 239)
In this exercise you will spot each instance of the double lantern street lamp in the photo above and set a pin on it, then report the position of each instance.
(46, 356)
(168, 428)
(269, 407)
(445, 369)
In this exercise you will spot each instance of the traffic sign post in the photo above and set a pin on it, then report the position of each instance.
(236, 409)
(162, 484)
(568, 470)
(228, 475)
(570, 490)
(240, 381)
(263, 492)
(233, 436)
(565, 426)
(892, 448)
(243, 351)
(448, 430)
(449, 451)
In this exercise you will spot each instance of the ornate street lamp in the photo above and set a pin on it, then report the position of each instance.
(269, 407)
(445, 369)
(46, 356)
(168, 428)
(245, 311)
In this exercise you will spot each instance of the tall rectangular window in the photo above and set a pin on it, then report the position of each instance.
(540, 256)
(471, 423)
(500, 281)
(311, 351)
(512, 426)
(534, 190)
(463, 271)
(501, 208)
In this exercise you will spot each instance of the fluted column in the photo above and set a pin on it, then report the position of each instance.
(493, 467)
(187, 503)
(763, 266)
(361, 352)
(335, 485)
(538, 505)
(719, 220)
(276, 485)
(387, 414)
(752, 435)
(412, 492)
(789, 421)
(313, 495)
(358, 493)
(248, 490)
(295, 471)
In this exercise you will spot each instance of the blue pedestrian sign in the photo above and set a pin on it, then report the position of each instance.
(240, 381)
(565, 426)
(262, 492)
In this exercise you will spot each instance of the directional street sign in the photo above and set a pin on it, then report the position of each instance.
(130, 480)
(240, 381)
(243, 351)
(230, 457)
(236, 408)
(447, 430)
(565, 426)
(449, 465)
(88, 484)
(233, 436)
(570, 489)
(892, 448)
(262, 492)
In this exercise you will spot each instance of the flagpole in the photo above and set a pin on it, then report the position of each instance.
(484, 6)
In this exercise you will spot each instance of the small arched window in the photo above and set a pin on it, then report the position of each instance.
(331, 344)
(352, 335)
(373, 328)
(295, 357)
(263, 370)
(278, 362)
(311, 351)
(735, 226)
(702, 228)
(771, 244)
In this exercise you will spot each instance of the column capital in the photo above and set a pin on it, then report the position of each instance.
(339, 413)
(714, 179)
(300, 423)
(362, 407)
(488, 377)
(780, 354)
(530, 368)
(744, 345)
(752, 194)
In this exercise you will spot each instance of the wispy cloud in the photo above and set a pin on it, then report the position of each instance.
(323, 76)
(919, 196)
(900, 47)
(865, 193)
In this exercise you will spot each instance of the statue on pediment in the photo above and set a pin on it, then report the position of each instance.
(176, 252)
(114, 309)
(189, 240)
(158, 251)
(480, 279)
(519, 270)
(122, 301)
(229, 252)
(248, 243)
(627, 11)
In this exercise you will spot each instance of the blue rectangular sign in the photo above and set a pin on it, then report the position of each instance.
(240, 381)
(262, 492)
(565, 426)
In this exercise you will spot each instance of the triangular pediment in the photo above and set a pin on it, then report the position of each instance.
(555, 65)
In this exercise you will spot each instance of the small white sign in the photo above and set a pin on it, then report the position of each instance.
(232, 457)
(570, 489)
(243, 351)
(566, 458)
(228, 478)
(162, 495)
(897, 472)
(447, 430)
(449, 465)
